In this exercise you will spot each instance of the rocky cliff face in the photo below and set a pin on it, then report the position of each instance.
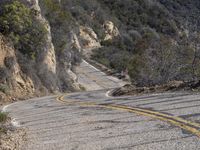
(55, 68)
(111, 31)
(51, 71)
(88, 38)
(46, 60)
(13, 81)
(65, 39)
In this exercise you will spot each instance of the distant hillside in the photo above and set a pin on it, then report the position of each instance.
(158, 42)
(155, 40)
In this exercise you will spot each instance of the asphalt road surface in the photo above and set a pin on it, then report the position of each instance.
(93, 79)
(94, 121)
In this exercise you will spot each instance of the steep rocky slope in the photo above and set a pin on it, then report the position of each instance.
(41, 44)
(47, 71)
(12, 78)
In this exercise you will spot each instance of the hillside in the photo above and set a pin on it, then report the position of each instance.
(155, 40)
(158, 40)
(42, 42)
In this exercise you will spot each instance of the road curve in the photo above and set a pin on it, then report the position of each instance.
(93, 79)
(93, 121)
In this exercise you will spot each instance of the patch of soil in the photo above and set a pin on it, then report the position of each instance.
(171, 86)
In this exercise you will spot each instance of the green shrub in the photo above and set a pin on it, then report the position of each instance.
(19, 23)
(3, 117)
(135, 65)
(55, 13)
(4, 88)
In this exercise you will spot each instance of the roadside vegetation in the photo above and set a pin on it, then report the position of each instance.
(3, 119)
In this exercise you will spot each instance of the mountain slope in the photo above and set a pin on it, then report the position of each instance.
(158, 42)
(154, 41)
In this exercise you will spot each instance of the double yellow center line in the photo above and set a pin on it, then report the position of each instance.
(190, 126)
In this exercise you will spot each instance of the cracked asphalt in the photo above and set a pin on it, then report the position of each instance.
(86, 120)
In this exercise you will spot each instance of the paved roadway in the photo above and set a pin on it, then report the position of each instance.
(93, 79)
(94, 121)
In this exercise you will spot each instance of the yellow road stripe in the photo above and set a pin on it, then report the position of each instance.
(143, 110)
(172, 121)
(177, 121)
(163, 115)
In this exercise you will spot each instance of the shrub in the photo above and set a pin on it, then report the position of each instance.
(19, 23)
(3, 117)
(4, 88)
(135, 66)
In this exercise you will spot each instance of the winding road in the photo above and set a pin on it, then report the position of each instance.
(93, 120)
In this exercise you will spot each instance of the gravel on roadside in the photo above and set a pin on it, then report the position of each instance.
(11, 138)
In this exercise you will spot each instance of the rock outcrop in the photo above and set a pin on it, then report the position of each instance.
(88, 38)
(67, 58)
(111, 31)
(55, 68)
(46, 60)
